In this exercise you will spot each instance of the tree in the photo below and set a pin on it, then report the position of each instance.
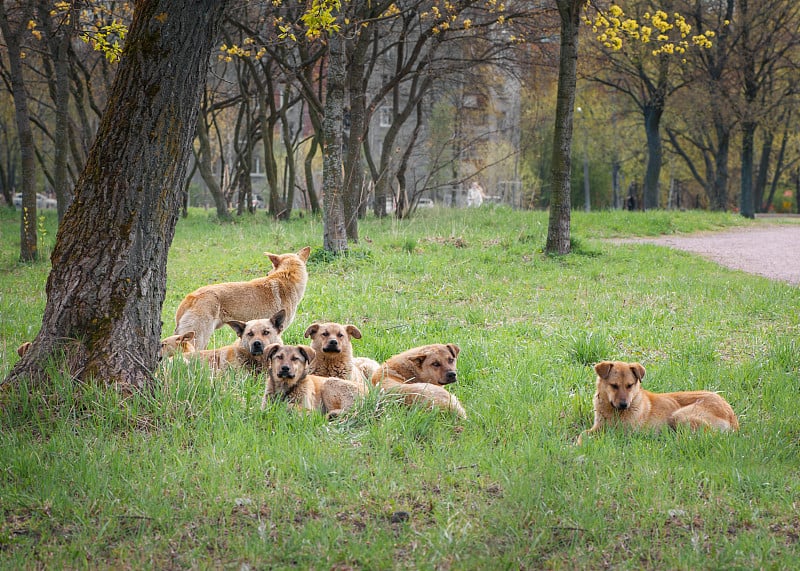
(13, 30)
(102, 319)
(558, 229)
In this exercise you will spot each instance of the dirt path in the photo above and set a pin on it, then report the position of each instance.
(771, 250)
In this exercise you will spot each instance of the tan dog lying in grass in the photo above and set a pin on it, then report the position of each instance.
(210, 307)
(288, 379)
(420, 375)
(620, 399)
(334, 353)
(254, 337)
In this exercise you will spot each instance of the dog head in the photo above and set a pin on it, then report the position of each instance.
(257, 334)
(176, 344)
(332, 337)
(618, 382)
(435, 364)
(288, 364)
(285, 260)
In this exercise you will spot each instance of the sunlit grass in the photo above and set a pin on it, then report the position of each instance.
(195, 475)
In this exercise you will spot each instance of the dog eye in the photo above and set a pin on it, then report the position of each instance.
(630, 386)
(250, 333)
(436, 364)
(615, 387)
(325, 334)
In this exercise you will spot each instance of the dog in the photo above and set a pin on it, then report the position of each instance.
(288, 379)
(209, 307)
(177, 345)
(620, 399)
(420, 375)
(334, 353)
(254, 336)
(24, 348)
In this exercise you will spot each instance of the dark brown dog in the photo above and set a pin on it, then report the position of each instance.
(620, 399)
(420, 375)
(289, 380)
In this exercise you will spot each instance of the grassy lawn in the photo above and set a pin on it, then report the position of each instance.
(197, 476)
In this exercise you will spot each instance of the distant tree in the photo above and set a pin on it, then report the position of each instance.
(105, 292)
(558, 229)
(13, 27)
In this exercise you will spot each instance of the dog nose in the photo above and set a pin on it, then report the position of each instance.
(622, 405)
(257, 348)
(284, 368)
(450, 377)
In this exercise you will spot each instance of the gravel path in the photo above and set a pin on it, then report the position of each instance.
(771, 250)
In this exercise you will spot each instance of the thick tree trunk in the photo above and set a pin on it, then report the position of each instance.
(353, 166)
(760, 183)
(719, 190)
(334, 232)
(107, 285)
(558, 230)
(11, 34)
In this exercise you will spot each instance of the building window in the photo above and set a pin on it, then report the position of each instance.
(385, 116)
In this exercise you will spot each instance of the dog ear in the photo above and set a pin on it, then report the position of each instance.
(307, 352)
(237, 326)
(638, 371)
(304, 253)
(454, 350)
(353, 331)
(312, 330)
(270, 350)
(418, 359)
(188, 336)
(603, 369)
(274, 258)
(24, 348)
(278, 320)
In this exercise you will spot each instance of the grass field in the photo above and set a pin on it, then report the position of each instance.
(197, 476)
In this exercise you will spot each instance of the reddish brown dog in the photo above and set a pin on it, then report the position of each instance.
(420, 374)
(289, 380)
(210, 307)
(620, 399)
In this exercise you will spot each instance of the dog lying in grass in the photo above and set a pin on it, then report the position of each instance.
(620, 399)
(334, 353)
(254, 337)
(288, 379)
(420, 374)
(210, 307)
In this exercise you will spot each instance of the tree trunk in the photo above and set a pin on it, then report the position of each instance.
(28, 236)
(719, 192)
(760, 184)
(58, 43)
(334, 232)
(353, 167)
(558, 231)
(203, 159)
(652, 122)
(308, 166)
(107, 286)
(747, 203)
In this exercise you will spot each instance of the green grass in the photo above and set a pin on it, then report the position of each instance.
(197, 476)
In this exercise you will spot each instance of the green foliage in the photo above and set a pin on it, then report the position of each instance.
(196, 475)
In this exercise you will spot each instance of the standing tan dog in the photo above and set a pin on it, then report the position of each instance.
(211, 306)
(620, 399)
(289, 379)
(334, 353)
(420, 374)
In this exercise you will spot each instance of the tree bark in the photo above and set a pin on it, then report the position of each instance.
(105, 292)
(652, 123)
(334, 232)
(28, 235)
(558, 230)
